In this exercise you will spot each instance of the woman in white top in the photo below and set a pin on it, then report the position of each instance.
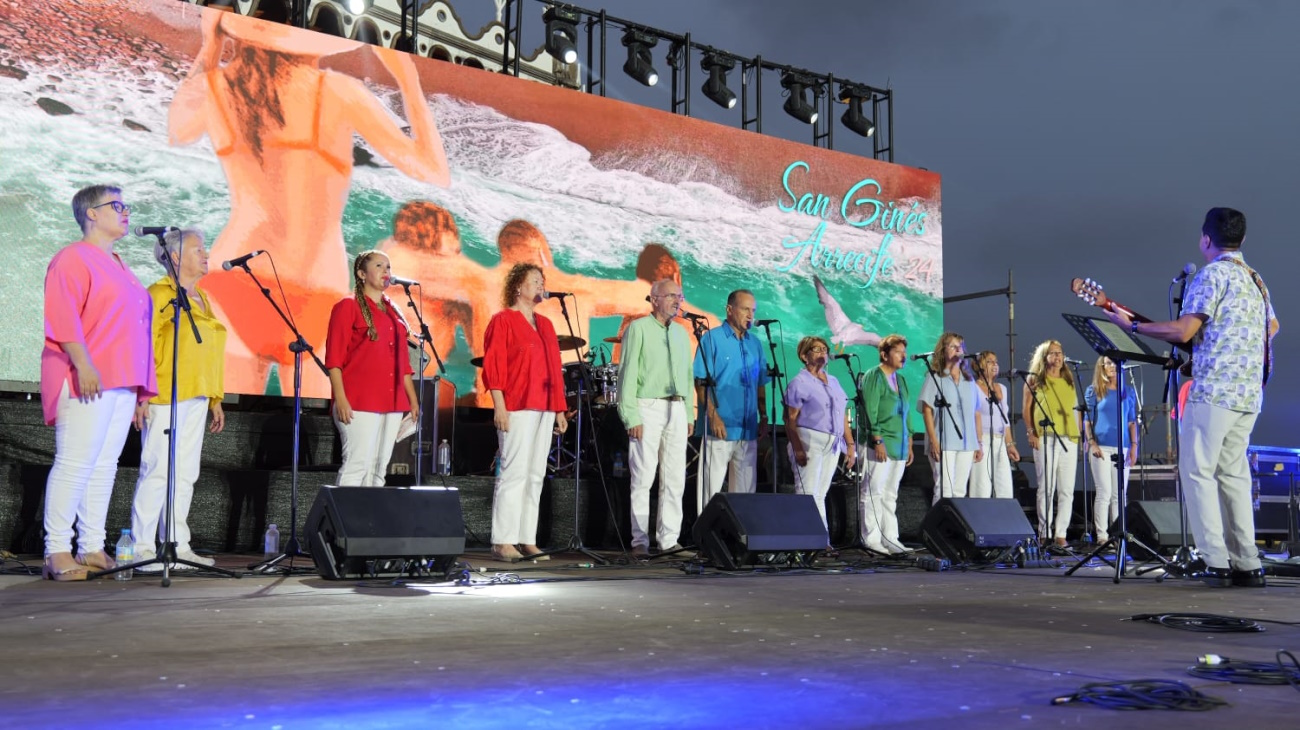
(993, 477)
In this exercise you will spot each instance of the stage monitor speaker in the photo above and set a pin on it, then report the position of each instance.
(1156, 524)
(359, 532)
(738, 530)
(970, 530)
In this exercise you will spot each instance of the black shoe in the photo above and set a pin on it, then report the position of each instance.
(1217, 577)
(1248, 578)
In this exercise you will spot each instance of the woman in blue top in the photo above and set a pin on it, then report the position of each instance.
(1106, 437)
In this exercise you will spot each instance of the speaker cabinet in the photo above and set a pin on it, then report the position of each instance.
(738, 530)
(972, 530)
(356, 532)
(1156, 524)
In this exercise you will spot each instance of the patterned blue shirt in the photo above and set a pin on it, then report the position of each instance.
(738, 369)
(1228, 351)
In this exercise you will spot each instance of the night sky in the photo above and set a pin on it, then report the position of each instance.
(1074, 139)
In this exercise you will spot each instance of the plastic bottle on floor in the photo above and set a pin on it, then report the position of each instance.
(271, 542)
(125, 555)
(444, 458)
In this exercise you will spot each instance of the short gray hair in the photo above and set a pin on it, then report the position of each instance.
(170, 243)
(86, 198)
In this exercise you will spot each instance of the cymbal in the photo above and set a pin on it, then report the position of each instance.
(476, 362)
(571, 343)
(614, 340)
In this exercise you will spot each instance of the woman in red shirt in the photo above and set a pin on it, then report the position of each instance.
(521, 368)
(370, 373)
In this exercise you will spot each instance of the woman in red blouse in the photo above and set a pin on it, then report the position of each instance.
(521, 368)
(370, 373)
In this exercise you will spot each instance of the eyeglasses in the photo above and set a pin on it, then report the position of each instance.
(678, 297)
(818, 348)
(118, 206)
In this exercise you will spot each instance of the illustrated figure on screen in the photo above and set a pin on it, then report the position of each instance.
(736, 414)
(952, 433)
(656, 402)
(654, 263)
(1106, 438)
(1056, 447)
(370, 373)
(199, 390)
(1229, 319)
(283, 129)
(844, 331)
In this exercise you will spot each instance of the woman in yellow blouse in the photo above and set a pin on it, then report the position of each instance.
(1056, 447)
(199, 390)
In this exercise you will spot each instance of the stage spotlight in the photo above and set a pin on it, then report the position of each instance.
(854, 119)
(561, 34)
(797, 105)
(716, 87)
(358, 7)
(640, 64)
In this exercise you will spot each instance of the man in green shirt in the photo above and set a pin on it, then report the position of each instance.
(656, 400)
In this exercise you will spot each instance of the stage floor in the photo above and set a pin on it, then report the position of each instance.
(554, 645)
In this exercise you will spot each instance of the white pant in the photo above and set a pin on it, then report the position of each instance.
(956, 473)
(1105, 501)
(878, 500)
(518, 492)
(815, 477)
(736, 461)
(995, 456)
(148, 518)
(88, 439)
(662, 449)
(367, 446)
(1216, 479)
(1055, 466)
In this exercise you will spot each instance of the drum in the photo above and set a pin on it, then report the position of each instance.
(573, 373)
(606, 389)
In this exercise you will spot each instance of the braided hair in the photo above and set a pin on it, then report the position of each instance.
(359, 291)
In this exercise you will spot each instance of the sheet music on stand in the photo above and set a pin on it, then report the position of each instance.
(1107, 338)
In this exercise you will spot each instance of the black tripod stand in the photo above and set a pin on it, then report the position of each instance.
(292, 548)
(167, 556)
(860, 477)
(425, 338)
(1108, 340)
(777, 377)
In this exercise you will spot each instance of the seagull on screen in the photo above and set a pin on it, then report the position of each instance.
(844, 331)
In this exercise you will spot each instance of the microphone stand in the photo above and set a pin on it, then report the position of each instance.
(425, 338)
(860, 403)
(995, 400)
(292, 548)
(699, 328)
(1048, 488)
(1083, 439)
(575, 540)
(777, 379)
(941, 406)
(167, 556)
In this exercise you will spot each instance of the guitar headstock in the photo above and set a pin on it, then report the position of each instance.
(1090, 292)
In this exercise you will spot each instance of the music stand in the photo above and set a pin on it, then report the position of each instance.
(1111, 341)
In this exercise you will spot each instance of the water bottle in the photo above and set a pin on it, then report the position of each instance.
(125, 555)
(444, 458)
(496, 465)
(271, 542)
(620, 468)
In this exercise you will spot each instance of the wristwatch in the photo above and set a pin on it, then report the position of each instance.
(1134, 328)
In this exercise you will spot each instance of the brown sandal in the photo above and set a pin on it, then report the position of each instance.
(97, 560)
(76, 572)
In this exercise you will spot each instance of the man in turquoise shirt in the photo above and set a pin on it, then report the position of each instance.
(656, 400)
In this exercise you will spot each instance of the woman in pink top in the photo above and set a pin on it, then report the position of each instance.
(96, 367)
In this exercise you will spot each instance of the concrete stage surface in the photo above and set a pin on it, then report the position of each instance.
(555, 645)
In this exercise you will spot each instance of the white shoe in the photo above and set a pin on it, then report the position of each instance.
(191, 556)
(151, 567)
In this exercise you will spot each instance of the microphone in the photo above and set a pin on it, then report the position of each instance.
(240, 261)
(842, 356)
(1188, 269)
(558, 294)
(922, 356)
(153, 230)
(693, 316)
(1072, 361)
(765, 322)
(399, 281)
(970, 357)
(1018, 373)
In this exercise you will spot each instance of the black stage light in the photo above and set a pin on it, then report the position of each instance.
(797, 105)
(855, 96)
(640, 64)
(561, 33)
(716, 87)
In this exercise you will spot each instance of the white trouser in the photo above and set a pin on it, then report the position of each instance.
(1055, 464)
(815, 477)
(88, 439)
(1105, 501)
(367, 446)
(148, 518)
(735, 461)
(956, 473)
(518, 492)
(662, 449)
(878, 500)
(995, 457)
(1216, 479)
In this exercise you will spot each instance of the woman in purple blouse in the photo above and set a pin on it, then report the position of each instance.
(816, 421)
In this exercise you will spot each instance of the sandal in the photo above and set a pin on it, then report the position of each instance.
(506, 553)
(76, 571)
(532, 552)
(97, 560)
